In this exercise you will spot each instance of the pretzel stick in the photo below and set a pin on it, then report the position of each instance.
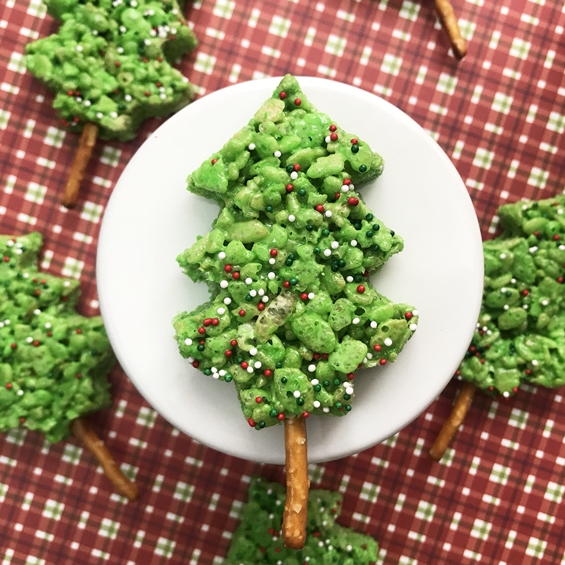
(449, 22)
(296, 504)
(82, 156)
(84, 432)
(451, 425)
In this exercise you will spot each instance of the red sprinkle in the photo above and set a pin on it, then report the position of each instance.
(5, 258)
(251, 422)
(244, 364)
(14, 345)
(273, 252)
(377, 347)
(241, 312)
(261, 306)
(36, 343)
(258, 399)
(560, 280)
(525, 292)
(228, 352)
(360, 289)
(286, 284)
(333, 136)
(297, 101)
(282, 95)
(196, 363)
(319, 208)
(207, 321)
(352, 201)
(333, 127)
(8, 385)
(408, 315)
(296, 166)
(201, 330)
(354, 141)
(346, 181)
(305, 414)
(214, 161)
(215, 321)
(289, 187)
(382, 362)
(233, 342)
(228, 268)
(268, 373)
(304, 296)
(350, 376)
(556, 237)
(280, 416)
(236, 275)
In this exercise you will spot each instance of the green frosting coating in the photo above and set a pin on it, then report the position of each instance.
(258, 541)
(292, 314)
(520, 335)
(110, 62)
(53, 361)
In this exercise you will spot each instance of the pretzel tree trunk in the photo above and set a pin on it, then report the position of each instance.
(296, 504)
(451, 425)
(83, 153)
(84, 432)
(448, 20)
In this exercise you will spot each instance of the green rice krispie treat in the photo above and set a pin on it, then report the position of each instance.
(258, 541)
(520, 335)
(293, 315)
(53, 361)
(110, 62)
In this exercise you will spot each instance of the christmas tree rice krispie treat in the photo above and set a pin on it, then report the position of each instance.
(292, 315)
(520, 334)
(257, 541)
(53, 361)
(109, 65)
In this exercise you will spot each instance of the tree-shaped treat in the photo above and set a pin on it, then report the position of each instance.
(258, 539)
(520, 335)
(292, 314)
(53, 361)
(110, 67)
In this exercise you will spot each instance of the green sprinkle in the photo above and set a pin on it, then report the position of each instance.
(293, 281)
(228, 378)
(369, 233)
(317, 388)
(200, 347)
(284, 380)
(325, 232)
(354, 148)
(347, 407)
(337, 382)
(369, 217)
(273, 413)
(376, 227)
(207, 372)
(337, 404)
(300, 401)
(362, 168)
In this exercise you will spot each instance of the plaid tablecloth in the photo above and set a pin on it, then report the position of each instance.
(497, 497)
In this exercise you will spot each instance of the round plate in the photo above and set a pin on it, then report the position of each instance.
(150, 218)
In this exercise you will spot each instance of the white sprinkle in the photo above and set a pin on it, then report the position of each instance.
(296, 394)
(502, 256)
(561, 247)
(545, 302)
(253, 351)
(10, 243)
(533, 249)
(29, 339)
(355, 321)
(525, 306)
(513, 281)
(277, 153)
(248, 280)
(294, 175)
(190, 359)
(265, 299)
(325, 409)
(257, 364)
(506, 394)
(87, 103)
(348, 548)
(67, 284)
(272, 261)
(505, 307)
(20, 392)
(349, 278)
(373, 324)
(252, 292)
(387, 341)
(535, 362)
(215, 376)
(369, 355)
(221, 311)
(311, 296)
(227, 300)
(251, 146)
(413, 327)
(291, 217)
(221, 255)
(328, 213)
(344, 188)
(334, 244)
(261, 291)
(271, 275)
(351, 187)
(188, 341)
(222, 372)
(315, 382)
(349, 391)
(327, 252)
(415, 312)
(250, 370)
(353, 243)
(224, 284)
(37, 311)
(311, 368)
(327, 139)
(99, 115)
(316, 404)
(79, 48)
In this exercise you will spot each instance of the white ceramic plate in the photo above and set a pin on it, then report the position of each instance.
(151, 218)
